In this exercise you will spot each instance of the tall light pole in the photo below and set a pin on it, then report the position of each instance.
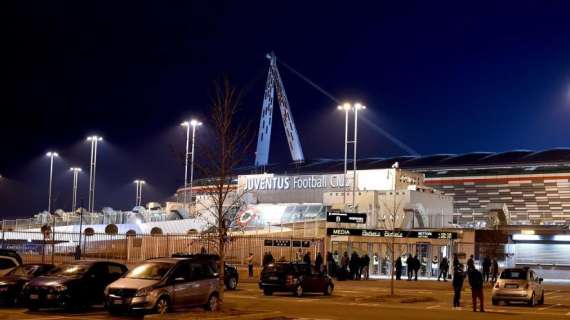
(346, 108)
(138, 198)
(76, 172)
(192, 123)
(357, 107)
(93, 167)
(51, 155)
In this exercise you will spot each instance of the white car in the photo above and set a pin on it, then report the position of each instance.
(520, 285)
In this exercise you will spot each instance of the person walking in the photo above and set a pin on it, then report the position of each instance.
(319, 262)
(365, 265)
(495, 270)
(486, 269)
(470, 263)
(443, 269)
(458, 279)
(250, 265)
(456, 262)
(417, 266)
(476, 283)
(399, 268)
(331, 264)
(307, 258)
(410, 266)
(434, 266)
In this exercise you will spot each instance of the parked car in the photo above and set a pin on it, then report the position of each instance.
(231, 274)
(297, 278)
(79, 284)
(9, 259)
(11, 284)
(522, 285)
(162, 284)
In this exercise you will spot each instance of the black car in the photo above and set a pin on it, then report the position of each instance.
(297, 278)
(231, 275)
(11, 284)
(79, 284)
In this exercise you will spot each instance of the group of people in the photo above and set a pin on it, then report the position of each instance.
(476, 280)
(345, 267)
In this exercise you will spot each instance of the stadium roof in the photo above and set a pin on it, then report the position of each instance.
(514, 158)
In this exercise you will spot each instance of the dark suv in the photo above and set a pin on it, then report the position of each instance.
(297, 278)
(231, 275)
(79, 284)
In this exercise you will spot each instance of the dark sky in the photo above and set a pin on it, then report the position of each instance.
(442, 77)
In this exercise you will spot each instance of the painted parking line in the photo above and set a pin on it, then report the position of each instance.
(433, 307)
(551, 306)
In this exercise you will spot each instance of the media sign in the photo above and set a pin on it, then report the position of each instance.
(392, 234)
(346, 217)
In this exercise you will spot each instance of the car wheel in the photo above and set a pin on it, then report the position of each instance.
(267, 292)
(162, 306)
(298, 291)
(531, 301)
(213, 303)
(541, 302)
(231, 284)
(328, 290)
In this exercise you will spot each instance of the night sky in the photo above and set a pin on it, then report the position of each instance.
(442, 77)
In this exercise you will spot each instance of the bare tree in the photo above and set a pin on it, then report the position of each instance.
(221, 155)
(391, 206)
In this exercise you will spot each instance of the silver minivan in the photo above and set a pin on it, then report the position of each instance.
(163, 284)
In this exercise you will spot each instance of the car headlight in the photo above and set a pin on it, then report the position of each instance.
(143, 292)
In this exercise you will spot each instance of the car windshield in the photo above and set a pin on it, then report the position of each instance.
(514, 275)
(23, 270)
(150, 271)
(69, 270)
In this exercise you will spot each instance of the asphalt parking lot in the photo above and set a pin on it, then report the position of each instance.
(351, 300)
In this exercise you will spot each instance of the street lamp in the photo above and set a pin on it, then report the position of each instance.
(138, 198)
(51, 155)
(93, 167)
(346, 108)
(76, 172)
(357, 107)
(192, 123)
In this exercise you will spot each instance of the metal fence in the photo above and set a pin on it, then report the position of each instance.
(35, 247)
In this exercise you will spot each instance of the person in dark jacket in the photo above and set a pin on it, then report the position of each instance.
(319, 262)
(331, 265)
(443, 269)
(354, 265)
(470, 263)
(486, 269)
(495, 270)
(456, 262)
(476, 283)
(458, 279)
(307, 258)
(410, 266)
(365, 266)
(417, 266)
(399, 268)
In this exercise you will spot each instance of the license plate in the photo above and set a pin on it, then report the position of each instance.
(511, 286)
(34, 296)
(50, 296)
(273, 278)
(117, 301)
(3, 289)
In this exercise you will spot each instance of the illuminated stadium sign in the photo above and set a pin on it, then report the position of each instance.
(270, 182)
(391, 234)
